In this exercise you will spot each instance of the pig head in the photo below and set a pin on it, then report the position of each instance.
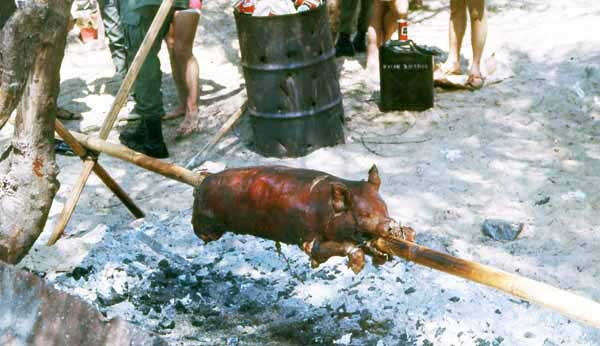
(323, 214)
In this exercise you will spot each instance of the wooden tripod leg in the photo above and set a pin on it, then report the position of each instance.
(118, 191)
(69, 207)
(107, 126)
(80, 151)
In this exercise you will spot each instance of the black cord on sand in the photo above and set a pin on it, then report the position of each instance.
(372, 140)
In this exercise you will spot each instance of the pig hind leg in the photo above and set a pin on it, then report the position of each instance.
(321, 252)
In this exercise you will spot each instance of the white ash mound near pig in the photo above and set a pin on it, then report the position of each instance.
(239, 291)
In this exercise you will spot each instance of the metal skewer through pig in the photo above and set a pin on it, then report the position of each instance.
(325, 215)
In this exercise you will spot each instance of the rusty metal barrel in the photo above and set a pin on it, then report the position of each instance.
(294, 97)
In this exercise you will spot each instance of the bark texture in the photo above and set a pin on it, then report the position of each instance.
(33, 46)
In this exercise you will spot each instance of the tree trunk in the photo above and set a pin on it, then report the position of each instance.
(33, 43)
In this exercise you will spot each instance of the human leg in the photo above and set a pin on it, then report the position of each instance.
(109, 10)
(478, 37)
(343, 46)
(362, 25)
(185, 24)
(176, 72)
(456, 32)
(374, 37)
(397, 10)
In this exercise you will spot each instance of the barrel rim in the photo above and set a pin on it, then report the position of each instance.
(237, 13)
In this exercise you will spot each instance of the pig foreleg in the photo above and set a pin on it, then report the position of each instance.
(206, 228)
(321, 252)
(379, 257)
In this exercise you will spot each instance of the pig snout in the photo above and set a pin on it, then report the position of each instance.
(393, 229)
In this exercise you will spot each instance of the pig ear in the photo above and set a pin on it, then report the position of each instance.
(374, 177)
(341, 197)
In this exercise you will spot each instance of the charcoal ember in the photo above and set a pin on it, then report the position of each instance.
(169, 271)
(80, 272)
(167, 324)
(501, 230)
(110, 298)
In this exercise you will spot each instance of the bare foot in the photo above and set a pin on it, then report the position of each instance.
(189, 125)
(174, 113)
(449, 68)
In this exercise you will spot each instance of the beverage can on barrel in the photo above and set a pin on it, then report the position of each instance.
(402, 30)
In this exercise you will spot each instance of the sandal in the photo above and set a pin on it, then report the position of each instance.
(475, 82)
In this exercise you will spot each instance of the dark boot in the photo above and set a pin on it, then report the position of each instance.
(344, 47)
(134, 137)
(154, 144)
(359, 43)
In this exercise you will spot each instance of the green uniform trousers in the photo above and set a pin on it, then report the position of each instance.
(348, 13)
(147, 87)
(109, 9)
(7, 8)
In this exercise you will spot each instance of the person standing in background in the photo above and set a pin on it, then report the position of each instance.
(111, 19)
(349, 8)
(382, 26)
(457, 28)
(7, 8)
(180, 43)
(136, 17)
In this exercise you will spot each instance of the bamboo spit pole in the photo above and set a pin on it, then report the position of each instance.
(576, 307)
(119, 151)
(109, 122)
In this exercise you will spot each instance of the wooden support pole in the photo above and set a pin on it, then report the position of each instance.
(569, 304)
(122, 152)
(110, 119)
(99, 170)
(71, 203)
(199, 158)
(118, 191)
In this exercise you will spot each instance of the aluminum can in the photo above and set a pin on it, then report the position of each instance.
(402, 30)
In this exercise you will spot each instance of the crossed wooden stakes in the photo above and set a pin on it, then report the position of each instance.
(90, 164)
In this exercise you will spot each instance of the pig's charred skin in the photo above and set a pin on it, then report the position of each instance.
(325, 215)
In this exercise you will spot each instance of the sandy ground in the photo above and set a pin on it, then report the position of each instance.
(493, 153)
